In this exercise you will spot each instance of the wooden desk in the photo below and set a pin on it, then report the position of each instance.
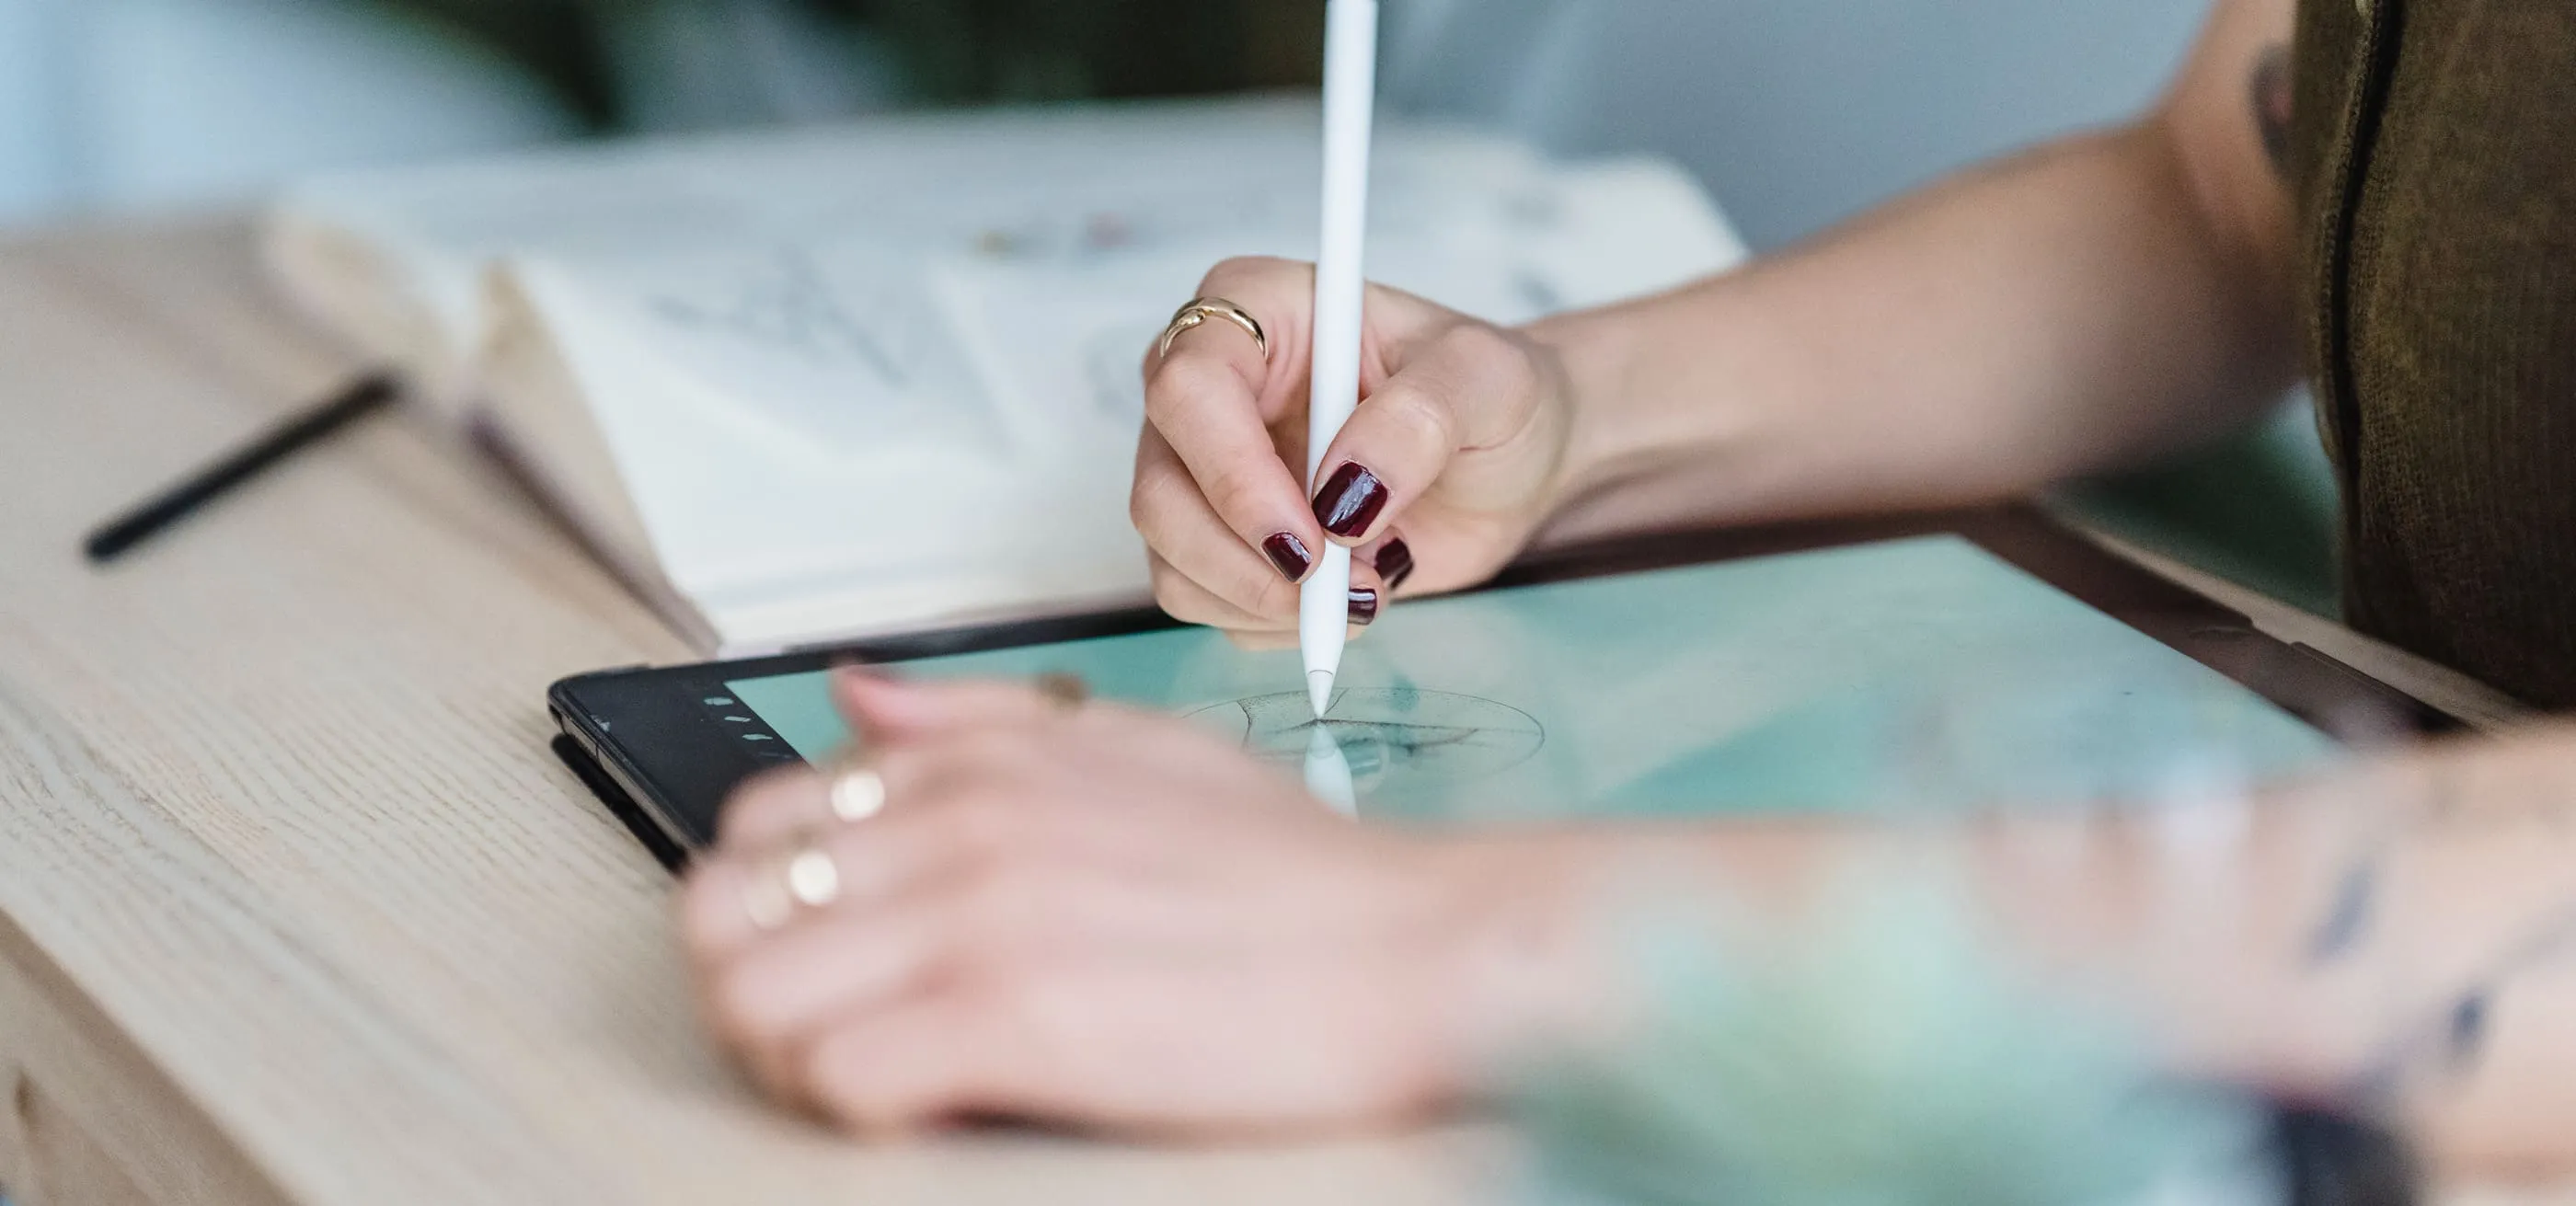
(294, 904)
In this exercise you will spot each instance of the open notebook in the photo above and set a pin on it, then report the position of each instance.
(810, 386)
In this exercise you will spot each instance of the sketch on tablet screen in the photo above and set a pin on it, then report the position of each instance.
(1394, 738)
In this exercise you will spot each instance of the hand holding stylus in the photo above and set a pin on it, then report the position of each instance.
(1446, 468)
(1202, 423)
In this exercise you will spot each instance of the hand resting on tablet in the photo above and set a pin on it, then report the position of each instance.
(1112, 922)
(1099, 918)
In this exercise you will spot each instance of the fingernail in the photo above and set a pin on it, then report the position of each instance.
(1288, 554)
(1350, 500)
(1394, 563)
(1363, 607)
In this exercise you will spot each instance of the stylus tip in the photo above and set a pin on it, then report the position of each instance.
(1319, 690)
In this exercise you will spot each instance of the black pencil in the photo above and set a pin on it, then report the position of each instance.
(357, 400)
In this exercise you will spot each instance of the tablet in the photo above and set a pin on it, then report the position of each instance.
(1933, 663)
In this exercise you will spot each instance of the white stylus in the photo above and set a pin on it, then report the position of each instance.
(1328, 772)
(1350, 111)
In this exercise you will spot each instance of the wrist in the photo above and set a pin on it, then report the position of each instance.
(1522, 972)
(1587, 359)
(1680, 412)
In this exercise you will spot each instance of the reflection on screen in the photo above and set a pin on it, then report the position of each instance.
(1913, 673)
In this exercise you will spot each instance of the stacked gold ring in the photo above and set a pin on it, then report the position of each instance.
(1199, 311)
(806, 878)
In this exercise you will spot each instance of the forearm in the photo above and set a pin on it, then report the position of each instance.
(2068, 310)
(2405, 935)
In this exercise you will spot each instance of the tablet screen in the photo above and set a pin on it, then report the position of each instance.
(1923, 670)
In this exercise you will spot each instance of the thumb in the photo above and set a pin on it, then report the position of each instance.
(1471, 386)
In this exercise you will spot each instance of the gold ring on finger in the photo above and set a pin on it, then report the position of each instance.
(1196, 314)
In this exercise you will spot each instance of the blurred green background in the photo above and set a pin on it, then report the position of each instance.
(1796, 115)
(933, 51)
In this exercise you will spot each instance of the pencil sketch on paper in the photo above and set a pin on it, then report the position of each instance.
(786, 305)
(1394, 738)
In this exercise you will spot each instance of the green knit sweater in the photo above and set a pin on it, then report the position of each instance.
(2434, 155)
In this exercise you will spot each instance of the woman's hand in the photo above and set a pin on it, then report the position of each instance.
(1092, 918)
(1452, 461)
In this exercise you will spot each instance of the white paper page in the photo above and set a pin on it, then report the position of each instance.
(433, 231)
(826, 353)
(1616, 229)
(1507, 248)
(726, 511)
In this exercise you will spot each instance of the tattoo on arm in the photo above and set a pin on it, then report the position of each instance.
(2451, 1040)
(2272, 97)
(2347, 919)
(2444, 812)
(2448, 1037)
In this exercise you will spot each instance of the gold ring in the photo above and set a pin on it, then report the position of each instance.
(806, 878)
(1194, 315)
(858, 790)
(1067, 692)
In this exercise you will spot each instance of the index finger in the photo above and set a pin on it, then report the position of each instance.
(1214, 397)
(892, 710)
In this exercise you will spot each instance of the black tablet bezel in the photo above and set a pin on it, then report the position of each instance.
(654, 734)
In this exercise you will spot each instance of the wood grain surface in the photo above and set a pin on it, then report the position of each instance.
(294, 904)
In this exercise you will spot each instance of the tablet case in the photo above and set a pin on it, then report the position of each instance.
(621, 805)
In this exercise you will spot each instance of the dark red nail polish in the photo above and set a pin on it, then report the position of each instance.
(1363, 607)
(1350, 501)
(1288, 554)
(1394, 563)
